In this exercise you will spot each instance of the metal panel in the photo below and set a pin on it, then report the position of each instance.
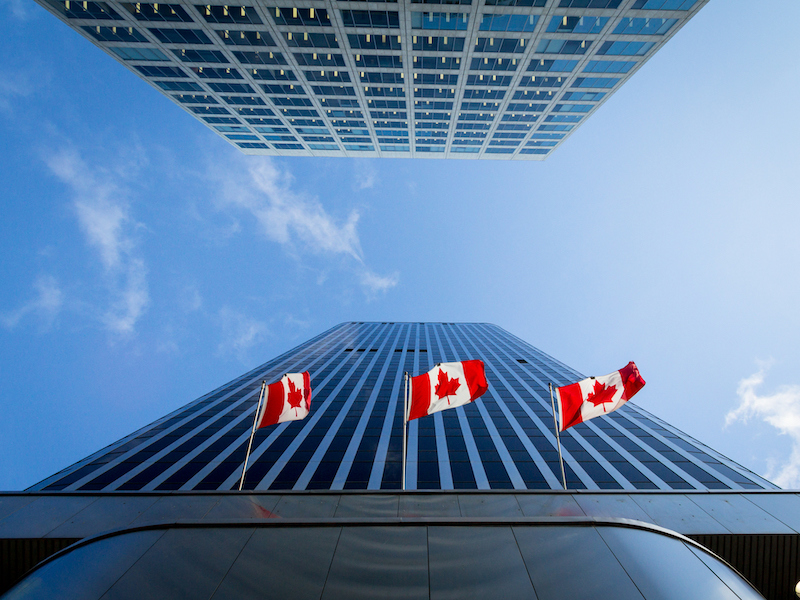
(784, 507)
(40, 517)
(379, 562)
(664, 568)
(438, 505)
(66, 577)
(243, 507)
(306, 507)
(612, 506)
(553, 556)
(547, 505)
(183, 563)
(487, 505)
(281, 564)
(110, 512)
(367, 505)
(678, 513)
(739, 515)
(476, 563)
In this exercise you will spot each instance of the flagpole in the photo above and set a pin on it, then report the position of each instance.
(405, 426)
(558, 439)
(252, 433)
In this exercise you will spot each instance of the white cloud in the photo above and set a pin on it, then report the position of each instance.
(366, 176)
(780, 410)
(100, 201)
(19, 8)
(46, 305)
(296, 221)
(239, 333)
(132, 298)
(378, 283)
(13, 85)
(289, 218)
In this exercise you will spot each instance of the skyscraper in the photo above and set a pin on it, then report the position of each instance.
(353, 437)
(157, 513)
(503, 79)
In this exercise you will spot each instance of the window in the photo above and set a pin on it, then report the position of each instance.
(664, 4)
(154, 71)
(310, 40)
(628, 26)
(547, 46)
(584, 24)
(310, 17)
(589, 3)
(260, 58)
(157, 12)
(139, 53)
(438, 44)
(608, 66)
(506, 45)
(85, 10)
(216, 73)
(493, 64)
(114, 34)
(283, 89)
(314, 59)
(327, 75)
(437, 62)
(625, 48)
(245, 38)
(439, 20)
(538, 3)
(179, 86)
(491, 22)
(180, 36)
(204, 56)
(378, 19)
(233, 88)
(229, 14)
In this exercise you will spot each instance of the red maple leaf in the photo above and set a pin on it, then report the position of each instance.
(446, 386)
(601, 394)
(294, 397)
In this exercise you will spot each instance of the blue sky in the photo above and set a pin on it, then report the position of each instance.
(144, 261)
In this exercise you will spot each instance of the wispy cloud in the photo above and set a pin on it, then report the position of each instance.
(298, 222)
(13, 86)
(20, 9)
(781, 410)
(378, 283)
(366, 176)
(100, 201)
(287, 217)
(239, 333)
(46, 304)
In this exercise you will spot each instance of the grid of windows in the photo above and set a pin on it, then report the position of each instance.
(353, 437)
(453, 50)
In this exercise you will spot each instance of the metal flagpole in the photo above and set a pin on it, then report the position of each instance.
(405, 425)
(252, 433)
(558, 438)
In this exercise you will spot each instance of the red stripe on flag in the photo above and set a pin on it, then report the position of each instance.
(274, 404)
(476, 378)
(307, 389)
(570, 399)
(420, 396)
(631, 380)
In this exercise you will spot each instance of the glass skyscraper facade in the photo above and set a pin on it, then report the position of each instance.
(352, 438)
(504, 79)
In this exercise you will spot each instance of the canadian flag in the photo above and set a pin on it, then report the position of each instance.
(286, 400)
(447, 385)
(590, 398)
